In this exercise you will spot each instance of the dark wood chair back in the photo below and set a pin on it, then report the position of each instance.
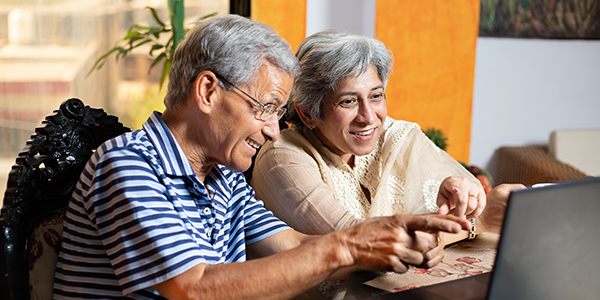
(40, 184)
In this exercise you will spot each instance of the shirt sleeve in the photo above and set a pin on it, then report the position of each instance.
(290, 184)
(259, 223)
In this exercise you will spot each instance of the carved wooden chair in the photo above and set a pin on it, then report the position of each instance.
(38, 191)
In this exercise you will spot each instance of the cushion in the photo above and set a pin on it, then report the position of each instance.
(44, 245)
(578, 148)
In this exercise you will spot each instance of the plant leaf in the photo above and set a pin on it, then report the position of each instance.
(156, 31)
(141, 43)
(154, 48)
(169, 48)
(155, 15)
(139, 35)
(156, 61)
(122, 53)
(100, 62)
(208, 16)
(130, 33)
(140, 27)
(165, 72)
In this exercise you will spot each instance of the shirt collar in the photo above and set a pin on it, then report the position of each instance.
(174, 161)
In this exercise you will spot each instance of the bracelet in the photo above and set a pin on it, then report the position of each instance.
(472, 233)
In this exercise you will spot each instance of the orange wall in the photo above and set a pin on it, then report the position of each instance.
(433, 43)
(287, 17)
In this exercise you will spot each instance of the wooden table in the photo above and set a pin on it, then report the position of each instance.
(469, 257)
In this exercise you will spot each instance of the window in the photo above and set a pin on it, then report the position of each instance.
(47, 49)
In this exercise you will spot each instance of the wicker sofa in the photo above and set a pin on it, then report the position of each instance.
(532, 164)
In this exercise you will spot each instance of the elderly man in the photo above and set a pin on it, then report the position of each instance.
(163, 212)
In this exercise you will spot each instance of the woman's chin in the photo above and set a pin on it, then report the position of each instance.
(363, 151)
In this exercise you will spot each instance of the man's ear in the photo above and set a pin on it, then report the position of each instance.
(206, 90)
(306, 118)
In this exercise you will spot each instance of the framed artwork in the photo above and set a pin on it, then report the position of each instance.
(548, 19)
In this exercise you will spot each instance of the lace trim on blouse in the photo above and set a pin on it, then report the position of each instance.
(367, 172)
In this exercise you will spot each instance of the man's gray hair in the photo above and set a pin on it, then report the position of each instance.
(230, 45)
(326, 58)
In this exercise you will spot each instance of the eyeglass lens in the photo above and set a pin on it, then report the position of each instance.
(265, 110)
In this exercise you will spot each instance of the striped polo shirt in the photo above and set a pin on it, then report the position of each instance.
(140, 216)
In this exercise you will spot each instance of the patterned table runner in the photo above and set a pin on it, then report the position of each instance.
(461, 260)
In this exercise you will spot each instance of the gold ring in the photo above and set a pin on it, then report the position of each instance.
(439, 241)
(474, 196)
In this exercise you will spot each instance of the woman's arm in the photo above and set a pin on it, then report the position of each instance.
(488, 219)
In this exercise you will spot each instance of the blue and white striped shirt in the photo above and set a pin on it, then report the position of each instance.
(140, 216)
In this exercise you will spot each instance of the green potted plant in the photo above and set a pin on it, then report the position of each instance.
(139, 35)
(437, 137)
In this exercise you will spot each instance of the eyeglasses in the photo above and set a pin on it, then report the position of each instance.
(266, 110)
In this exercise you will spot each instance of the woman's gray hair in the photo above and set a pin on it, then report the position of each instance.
(326, 58)
(230, 45)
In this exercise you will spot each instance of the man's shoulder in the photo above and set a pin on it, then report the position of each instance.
(130, 145)
(136, 140)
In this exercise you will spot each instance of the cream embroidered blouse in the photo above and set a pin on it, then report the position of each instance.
(313, 191)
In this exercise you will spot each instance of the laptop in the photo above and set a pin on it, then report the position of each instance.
(549, 249)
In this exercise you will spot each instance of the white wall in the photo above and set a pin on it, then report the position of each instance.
(355, 16)
(527, 88)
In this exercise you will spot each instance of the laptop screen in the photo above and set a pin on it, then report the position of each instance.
(550, 243)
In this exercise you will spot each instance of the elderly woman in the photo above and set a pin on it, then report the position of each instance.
(344, 160)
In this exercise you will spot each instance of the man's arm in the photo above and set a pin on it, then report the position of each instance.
(387, 243)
